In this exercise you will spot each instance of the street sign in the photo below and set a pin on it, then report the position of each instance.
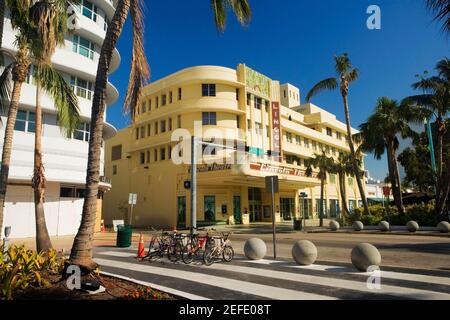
(272, 184)
(132, 199)
(303, 195)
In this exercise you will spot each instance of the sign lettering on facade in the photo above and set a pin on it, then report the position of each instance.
(262, 167)
(276, 127)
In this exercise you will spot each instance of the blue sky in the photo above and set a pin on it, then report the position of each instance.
(294, 41)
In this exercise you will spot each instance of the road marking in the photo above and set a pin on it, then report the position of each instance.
(225, 283)
(384, 274)
(117, 254)
(168, 290)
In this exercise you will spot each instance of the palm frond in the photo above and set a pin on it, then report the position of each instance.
(6, 87)
(65, 100)
(342, 64)
(220, 14)
(327, 84)
(242, 11)
(140, 70)
(353, 75)
(240, 8)
(441, 9)
(443, 67)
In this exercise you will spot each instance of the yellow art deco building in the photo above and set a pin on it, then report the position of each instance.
(244, 108)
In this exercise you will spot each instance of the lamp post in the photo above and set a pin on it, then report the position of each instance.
(6, 240)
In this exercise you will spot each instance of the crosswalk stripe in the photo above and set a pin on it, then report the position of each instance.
(226, 283)
(336, 282)
(337, 269)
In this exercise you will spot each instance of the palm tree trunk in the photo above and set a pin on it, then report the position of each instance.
(2, 20)
(439, 203)
(43, 243)
(7, 146)
(356, 168)
(396, 187)
(81, 253)
(343, 194)
(322, 187)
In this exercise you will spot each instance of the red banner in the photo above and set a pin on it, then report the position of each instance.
(276, 133)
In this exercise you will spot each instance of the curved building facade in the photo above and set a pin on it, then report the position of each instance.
(65, 159)
(266, 131)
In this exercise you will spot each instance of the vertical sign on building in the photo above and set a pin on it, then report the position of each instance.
(276, 127)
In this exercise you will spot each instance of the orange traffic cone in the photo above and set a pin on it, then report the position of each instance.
(102, 226)
(141, 247)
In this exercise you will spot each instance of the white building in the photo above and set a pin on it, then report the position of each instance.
(65, 160)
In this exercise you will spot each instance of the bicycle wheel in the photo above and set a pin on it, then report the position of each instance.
(187, 254)
(172, 252)
(228, 254)
(208, 256)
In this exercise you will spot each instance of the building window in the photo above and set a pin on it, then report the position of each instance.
(25, 121)
(209, 118)
(179, 122)
(157, 102)
(329, 132)
(333, 151)
(306, 143)
(327, 150)
(249, 124)
(82, 88)
(156, 128)
(148, 156)
(208, 90)
(314, 145)
(285, 96)
(338, 135)
(267, 106)
(144, 107)
(31, 75)
(162, 154)
(209, 205)
(142, 132)
(180, 93)
(350, 182)
(268, 131)
(249, 99)
(149, 130)
(83, 47)
(137, 133)
(258, 128)
(298, 140)
(163, 100)
(142, 158)
(238, 122)
(82, 132)
(170, 97)
(163, 126)
(169, 152)
(170, 124)
(116, 152)
(88, 9)
(237, 94)
(258, 103)
(155, 156)
(332, 178)
(289, 137)
(114, 169)
(149, 105)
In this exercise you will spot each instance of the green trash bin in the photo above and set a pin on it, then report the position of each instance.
(298, 224)
(124, 236)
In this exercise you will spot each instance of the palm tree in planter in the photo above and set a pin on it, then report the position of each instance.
(380, 135)
(20, 22)
(441, 8)
(346, 75)
(434, 103)
(81, 253)
(343, 167)
(50, 20)
(325, 165)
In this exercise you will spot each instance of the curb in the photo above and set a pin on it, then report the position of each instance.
(376, 232)
(173, 292)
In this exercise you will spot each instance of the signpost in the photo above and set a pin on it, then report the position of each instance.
(132, 201)
(303, 195)
(272, 185)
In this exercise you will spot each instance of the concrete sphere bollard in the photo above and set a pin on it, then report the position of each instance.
(412, 226)
(334, 225)
(384, 226)
(255, 249)
(358, 226)
(304, 252)
(365, 255)
(444, 227)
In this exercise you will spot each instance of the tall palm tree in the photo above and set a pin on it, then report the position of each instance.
(434, 103)
(343, 167)
(441, 9)
(50, 20)
(346, 75)
(20, 22)
(81, 253)
(380, 135)
(325, 165)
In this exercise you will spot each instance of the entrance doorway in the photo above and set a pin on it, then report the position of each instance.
(287, 208)
(255, 204)
(237, 210)
(181, 212)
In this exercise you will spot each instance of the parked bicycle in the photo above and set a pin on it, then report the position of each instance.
(219, 249)
(196, 245)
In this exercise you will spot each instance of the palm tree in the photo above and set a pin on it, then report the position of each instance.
(325, 165)
(346, 75)
(441, 8)
(50, 20)
(20, 22)
(342, 167)
(434, 103)
(81, 253)
(380, 135)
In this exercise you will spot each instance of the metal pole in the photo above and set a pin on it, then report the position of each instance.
(273, 222)
(193, 185)
(131, 214)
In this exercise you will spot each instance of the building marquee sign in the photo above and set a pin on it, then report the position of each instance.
(273, 169)
(213, 167)
(276, 129)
